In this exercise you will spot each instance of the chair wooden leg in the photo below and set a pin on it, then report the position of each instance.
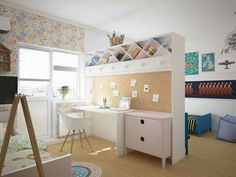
(72, 141)
(80, 138)
(87, 140)
(65, 140)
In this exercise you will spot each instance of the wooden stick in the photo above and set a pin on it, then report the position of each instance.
(32, 136)
(8, 132)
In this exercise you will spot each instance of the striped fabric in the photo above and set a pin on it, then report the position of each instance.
(191, 123)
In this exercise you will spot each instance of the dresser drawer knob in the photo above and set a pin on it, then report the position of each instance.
(142, 138)
(142, 121)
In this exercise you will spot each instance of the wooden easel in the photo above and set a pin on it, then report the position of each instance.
(30, 129)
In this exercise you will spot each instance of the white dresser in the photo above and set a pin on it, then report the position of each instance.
(149, 132)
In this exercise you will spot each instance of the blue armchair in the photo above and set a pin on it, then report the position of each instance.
(201, 123)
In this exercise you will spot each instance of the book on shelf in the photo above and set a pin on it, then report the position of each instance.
(94, 60)
(136, 53)
(119, 56)
(127, 58)
(103, 60)
(151, 50)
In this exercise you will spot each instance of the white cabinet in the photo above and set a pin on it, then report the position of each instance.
(149, 132)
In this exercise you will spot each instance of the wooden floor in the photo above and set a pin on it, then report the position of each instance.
(207, 157)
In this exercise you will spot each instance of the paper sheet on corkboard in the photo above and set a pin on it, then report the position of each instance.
(160, 83)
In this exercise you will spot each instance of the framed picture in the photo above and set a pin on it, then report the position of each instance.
(191, 63)
(208, 62)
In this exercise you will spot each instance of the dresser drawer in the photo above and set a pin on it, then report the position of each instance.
(146, 144)
(144, 126)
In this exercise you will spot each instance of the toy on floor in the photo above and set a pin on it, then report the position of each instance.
(227, 128)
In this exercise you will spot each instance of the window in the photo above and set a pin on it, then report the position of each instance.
(34, 72)
(34, 64)
(41, 71)
(65, 73)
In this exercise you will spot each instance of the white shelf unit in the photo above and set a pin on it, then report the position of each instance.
(166, 54)
(152, 54)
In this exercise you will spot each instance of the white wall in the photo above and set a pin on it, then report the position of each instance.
(95, 40)
(218, 107)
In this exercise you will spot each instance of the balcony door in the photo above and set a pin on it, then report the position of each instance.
(34, 81)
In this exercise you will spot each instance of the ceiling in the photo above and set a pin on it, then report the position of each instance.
(142, 18)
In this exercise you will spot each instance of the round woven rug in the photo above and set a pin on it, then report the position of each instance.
(85, 169)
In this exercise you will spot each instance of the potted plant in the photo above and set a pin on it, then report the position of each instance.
(64, 90)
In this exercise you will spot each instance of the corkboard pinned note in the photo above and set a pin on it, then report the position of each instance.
(159, 82)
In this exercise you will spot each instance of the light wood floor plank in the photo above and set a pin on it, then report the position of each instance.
(207, 157)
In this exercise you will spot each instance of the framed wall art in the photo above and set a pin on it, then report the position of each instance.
(208, 62)
(191, 63)
(223, 89)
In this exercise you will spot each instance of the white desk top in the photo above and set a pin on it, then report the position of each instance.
(150, 114)
(98, 109)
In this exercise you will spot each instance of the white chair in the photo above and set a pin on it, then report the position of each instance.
(73, 122)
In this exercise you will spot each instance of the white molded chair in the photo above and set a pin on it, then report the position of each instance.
(73, 122)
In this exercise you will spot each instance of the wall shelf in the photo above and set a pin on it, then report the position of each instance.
(150, 55)
(154, 64)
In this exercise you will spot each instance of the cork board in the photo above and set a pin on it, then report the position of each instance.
(160, 83)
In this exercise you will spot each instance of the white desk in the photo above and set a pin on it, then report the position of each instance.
(107, 124)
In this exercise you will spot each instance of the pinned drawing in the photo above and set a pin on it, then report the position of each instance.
(134, 94)
(113, 85)
(146, 88)
(132, 82)
(115, 93)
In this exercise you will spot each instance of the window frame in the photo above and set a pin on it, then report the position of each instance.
(79, 71)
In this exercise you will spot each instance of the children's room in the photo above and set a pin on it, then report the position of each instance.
(143, 88)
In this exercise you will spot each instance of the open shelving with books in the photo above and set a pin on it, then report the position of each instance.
(153, 54)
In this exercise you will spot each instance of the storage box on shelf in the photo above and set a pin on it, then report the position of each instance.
(140, 56)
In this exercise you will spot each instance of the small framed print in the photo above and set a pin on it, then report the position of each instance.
(115, 93)
(113, 85)
(134, 94)
(146, 88)
(132, 82)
